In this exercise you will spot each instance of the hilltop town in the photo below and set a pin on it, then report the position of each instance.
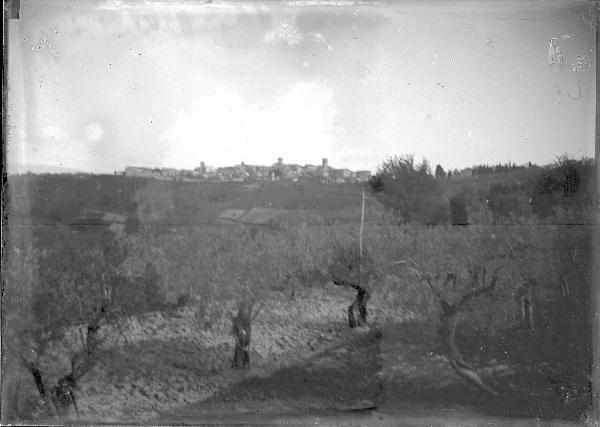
(246, 173)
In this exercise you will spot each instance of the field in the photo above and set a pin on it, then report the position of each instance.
(174, 275)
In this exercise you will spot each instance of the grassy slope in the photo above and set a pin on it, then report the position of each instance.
(62, 198)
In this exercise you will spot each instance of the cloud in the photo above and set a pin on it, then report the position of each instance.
(54, 133)
(52, 148)
(224, 128)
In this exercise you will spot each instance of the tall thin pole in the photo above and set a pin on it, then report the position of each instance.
(362, 220)
(360, 233)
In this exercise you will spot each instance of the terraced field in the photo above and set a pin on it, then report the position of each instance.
(163, 363)
(304, 359)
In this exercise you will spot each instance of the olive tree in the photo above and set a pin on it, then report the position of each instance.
(61, 291)
(350, 268)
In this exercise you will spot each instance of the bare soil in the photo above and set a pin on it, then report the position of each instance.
(305, 361)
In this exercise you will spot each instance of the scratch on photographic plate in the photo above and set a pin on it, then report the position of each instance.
(556, 62)
(45, 44)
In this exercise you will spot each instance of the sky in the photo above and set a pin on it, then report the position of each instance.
(99, 85)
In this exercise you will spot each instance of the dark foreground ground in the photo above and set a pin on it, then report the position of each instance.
(356, 384)
(379, 418)
(319, 373)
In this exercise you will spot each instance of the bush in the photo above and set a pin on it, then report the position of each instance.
(504, 201)
(458, 209)
(569, 185)
(409, 190)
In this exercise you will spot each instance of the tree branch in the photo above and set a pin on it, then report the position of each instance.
(420, 273)
(33, 368)
(348, 284)
(479, 291)
(457, 362)
(257, 311)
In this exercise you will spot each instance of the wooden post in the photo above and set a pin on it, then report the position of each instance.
(360, 233)
(362, 220)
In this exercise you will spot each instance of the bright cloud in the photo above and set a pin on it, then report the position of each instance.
(94, 132)
(55, 148)
(224, 128)
(54, 133)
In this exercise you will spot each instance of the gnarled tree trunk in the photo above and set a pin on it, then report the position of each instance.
(450, 314)
(242, 331)
(357, 311)
(447, 331)
(37, 378)
(62, 394)
(449, 320)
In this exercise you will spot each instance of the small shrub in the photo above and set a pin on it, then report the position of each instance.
(458, 209)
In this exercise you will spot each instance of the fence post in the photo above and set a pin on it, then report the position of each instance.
(360, 245)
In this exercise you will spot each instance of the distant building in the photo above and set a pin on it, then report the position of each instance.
(233, 173)
(244, 172)
(139, 171)
(170, 172)
(325, 168)
(282, 170)
(341, 174)
(310, 170)
(296, 171)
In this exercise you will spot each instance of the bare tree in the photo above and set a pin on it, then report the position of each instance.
(451, 313)
(241, 329)
(77, 284)
(526, 301)
(63, 393)
(242, 332)
(349, 269)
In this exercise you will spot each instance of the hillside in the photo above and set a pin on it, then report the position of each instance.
(64, 198)
(69, 199)
(479, 184)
